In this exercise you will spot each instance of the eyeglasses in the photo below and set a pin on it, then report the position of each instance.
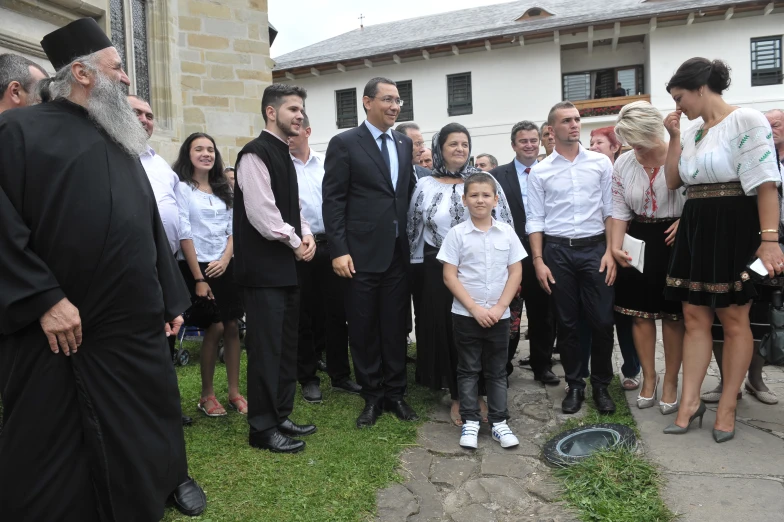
(418, 143)
(389, 100)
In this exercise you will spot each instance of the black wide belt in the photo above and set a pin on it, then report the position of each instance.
(320, 238)
(574, 242)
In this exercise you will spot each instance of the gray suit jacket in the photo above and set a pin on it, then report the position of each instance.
(422, 172)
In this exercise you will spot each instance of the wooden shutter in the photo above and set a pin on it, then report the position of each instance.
(766, 61)
(459, 94)
(346, 108)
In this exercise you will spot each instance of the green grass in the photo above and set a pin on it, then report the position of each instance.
(615, 485)
(335, 479)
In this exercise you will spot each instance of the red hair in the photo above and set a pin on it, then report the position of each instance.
(609, 133)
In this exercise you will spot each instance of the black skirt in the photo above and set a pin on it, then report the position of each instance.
(717, 237)
(436, 365)
(642, 294)
(227, 304)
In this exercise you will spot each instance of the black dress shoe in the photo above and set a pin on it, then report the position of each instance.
(347, 386)
(547, 377)
(275, 442)
(311, 392)
(525, 361)
(295, 430)
(602, 400)
(189, 498)
(369, 415)
(186, 421)
(321, 366)
(573, 401)
(402, 410)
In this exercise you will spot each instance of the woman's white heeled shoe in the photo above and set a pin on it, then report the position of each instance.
(648, 402)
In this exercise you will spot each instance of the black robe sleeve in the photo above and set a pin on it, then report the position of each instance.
(27, 287)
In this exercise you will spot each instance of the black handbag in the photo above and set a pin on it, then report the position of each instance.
(771, 348)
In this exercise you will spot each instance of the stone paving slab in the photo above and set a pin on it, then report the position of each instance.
(447, 483)
(740, 480)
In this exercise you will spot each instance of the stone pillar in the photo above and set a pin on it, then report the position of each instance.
(224, 68)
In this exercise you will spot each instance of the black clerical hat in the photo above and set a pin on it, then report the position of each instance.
(79, 38)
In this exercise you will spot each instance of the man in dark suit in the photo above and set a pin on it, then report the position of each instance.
(368, 182)
(513, 178)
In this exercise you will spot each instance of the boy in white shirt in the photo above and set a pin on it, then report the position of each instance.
(482, 269)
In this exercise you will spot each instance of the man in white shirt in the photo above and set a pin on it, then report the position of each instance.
(322, 317)
(164, 185)
(569, 202)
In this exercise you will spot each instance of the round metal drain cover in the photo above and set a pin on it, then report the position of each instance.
(576, 444)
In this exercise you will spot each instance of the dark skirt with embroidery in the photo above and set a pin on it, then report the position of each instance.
(436, 365)
(642, 294)
(717, 237)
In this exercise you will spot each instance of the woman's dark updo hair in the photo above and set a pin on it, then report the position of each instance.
(696, 72)
(448, 129)
(218, 180)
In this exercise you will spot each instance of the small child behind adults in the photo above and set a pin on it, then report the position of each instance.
(482, 269)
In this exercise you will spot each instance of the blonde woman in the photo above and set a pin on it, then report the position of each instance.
(643, 203)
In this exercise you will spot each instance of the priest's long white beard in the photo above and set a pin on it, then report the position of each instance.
(108, 107)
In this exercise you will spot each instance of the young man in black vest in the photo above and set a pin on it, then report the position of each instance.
(270, 235)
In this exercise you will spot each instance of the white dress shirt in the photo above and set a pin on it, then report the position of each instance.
(164, 185)
(394, 163)
(482, 260)
(309, 177)
(570, 199)
(205, 219)
(523, 179)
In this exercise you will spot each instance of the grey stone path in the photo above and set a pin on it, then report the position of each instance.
(446, 483)
(740, 480)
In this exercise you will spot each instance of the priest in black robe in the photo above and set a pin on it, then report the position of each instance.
(88, 293)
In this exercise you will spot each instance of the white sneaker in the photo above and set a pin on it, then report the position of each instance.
(469, 435)
(504, 435)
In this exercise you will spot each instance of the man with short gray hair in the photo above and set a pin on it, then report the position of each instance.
(776, 119)
(18, 78)
(412, 130)
(485, 162)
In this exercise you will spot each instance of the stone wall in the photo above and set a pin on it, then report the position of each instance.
(224, 68)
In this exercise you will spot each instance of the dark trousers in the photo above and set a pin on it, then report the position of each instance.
(376, 307)
(579, 284)
(481, 350)
(322, 319)
(623, 330)
(272, 315)
(540, 323)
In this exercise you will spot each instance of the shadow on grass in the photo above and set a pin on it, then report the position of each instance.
(616, 485)
(335, 479)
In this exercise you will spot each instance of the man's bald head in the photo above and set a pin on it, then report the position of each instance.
(776, 119)
(18, 78)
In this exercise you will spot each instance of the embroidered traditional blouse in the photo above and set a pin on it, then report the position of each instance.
(635, 193)
(738, 148)
(437, 207)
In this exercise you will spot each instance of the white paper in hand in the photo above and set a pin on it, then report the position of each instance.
(636, 249)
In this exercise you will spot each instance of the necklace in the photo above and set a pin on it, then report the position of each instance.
(702, 130)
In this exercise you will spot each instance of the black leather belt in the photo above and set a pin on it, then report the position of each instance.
(573, 242)
(320, 238)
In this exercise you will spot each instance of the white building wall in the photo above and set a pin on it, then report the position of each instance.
(519, 83)
(728, 40)
(508, 85)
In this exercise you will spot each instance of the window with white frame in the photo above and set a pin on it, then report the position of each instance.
(129, 35)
